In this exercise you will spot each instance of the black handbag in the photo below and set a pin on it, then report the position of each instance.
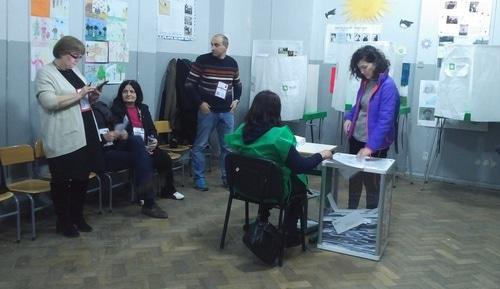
(264, 240)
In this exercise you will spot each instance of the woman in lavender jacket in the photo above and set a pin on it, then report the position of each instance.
(371, 124)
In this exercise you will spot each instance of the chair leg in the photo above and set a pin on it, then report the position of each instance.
(33, 228)
(303, 222)
(226, 220)
(280, 226)
(110, 192)
(18, 221)
(99, 183)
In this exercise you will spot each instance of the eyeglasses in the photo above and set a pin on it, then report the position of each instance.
(75, 56)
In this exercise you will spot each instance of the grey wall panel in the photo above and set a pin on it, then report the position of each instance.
(3, 94)
(19, 111)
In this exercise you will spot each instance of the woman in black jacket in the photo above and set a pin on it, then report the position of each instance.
(128, 108)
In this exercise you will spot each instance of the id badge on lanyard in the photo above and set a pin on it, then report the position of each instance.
(221, 90)
(138, 131)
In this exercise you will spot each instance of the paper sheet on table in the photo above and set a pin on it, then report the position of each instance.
(352, 164)
(347, 222)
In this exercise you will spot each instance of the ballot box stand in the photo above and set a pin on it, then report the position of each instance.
(364, 232)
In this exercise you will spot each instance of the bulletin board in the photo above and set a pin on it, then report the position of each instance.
(176, 19)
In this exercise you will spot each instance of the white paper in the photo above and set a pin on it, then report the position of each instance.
(347, 222)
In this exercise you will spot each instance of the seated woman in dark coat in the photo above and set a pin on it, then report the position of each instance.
(263, 135)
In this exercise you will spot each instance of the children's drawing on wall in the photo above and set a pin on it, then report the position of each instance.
(95, 29)
(118, 52)
(96, 9)
(427, 102)
(59, 8)
(360, 10)
(96, 52)
(117, 9)
(116, 29)
(115, 72)
(48, 23)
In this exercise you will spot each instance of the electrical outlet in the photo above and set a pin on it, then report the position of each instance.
(425, 156)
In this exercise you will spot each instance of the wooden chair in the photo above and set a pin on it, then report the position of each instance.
(4, 198)
(23, 155)
(176, 154)
(40, 155)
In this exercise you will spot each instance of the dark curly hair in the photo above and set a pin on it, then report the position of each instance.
(369, 54)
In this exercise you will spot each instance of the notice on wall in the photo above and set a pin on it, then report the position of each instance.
(107, 50)
(463, 22)
(49, 22)
(342, 33)
(176, 19)
(427, 102)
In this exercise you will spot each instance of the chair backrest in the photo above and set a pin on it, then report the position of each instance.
(18, 154)
(163, 126)
(254, 179)
(39, 152)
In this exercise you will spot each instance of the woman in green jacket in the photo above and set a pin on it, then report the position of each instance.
(263, 135)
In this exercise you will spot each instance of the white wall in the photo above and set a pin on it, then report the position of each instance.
(238, 22)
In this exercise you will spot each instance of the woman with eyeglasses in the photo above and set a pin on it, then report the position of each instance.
(69, 133)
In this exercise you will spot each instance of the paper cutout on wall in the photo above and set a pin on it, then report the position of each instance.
(60, 9)
(40, 8)
(365, 10)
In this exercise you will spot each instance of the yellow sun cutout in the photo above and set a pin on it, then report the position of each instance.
(365, 10)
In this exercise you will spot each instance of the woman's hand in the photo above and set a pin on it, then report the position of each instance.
(326, 154)
(84, 91)
(110, 136)
(152, 144)
(365, 152)
(347, 126)
(94, 95)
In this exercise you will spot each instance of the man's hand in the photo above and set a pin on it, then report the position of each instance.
(234, 104)
(204, 107)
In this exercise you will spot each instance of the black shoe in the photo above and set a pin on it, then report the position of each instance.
(67, 230)
(83, 226)
(154, 212)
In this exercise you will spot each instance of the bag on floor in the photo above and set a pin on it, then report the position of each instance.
(264, 240)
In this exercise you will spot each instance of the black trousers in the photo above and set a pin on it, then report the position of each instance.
(163, 163)
(69, 182)
(371, 181)
(294, 210)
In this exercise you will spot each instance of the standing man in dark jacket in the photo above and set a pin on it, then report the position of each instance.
(214, 84)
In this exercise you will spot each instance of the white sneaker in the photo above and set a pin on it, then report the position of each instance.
(177, 196)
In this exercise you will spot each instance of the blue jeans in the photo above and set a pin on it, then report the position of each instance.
(207, 122)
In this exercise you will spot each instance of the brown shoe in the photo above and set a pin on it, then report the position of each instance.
(154, 212)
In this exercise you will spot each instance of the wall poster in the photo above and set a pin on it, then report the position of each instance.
(176, 19)
(48, 23)
(107, 50)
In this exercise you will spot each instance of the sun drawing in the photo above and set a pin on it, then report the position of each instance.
(365, 10)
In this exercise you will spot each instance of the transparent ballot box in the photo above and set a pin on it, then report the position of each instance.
(347, 227)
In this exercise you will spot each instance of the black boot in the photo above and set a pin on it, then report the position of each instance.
(61, 200)
(78, 194)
